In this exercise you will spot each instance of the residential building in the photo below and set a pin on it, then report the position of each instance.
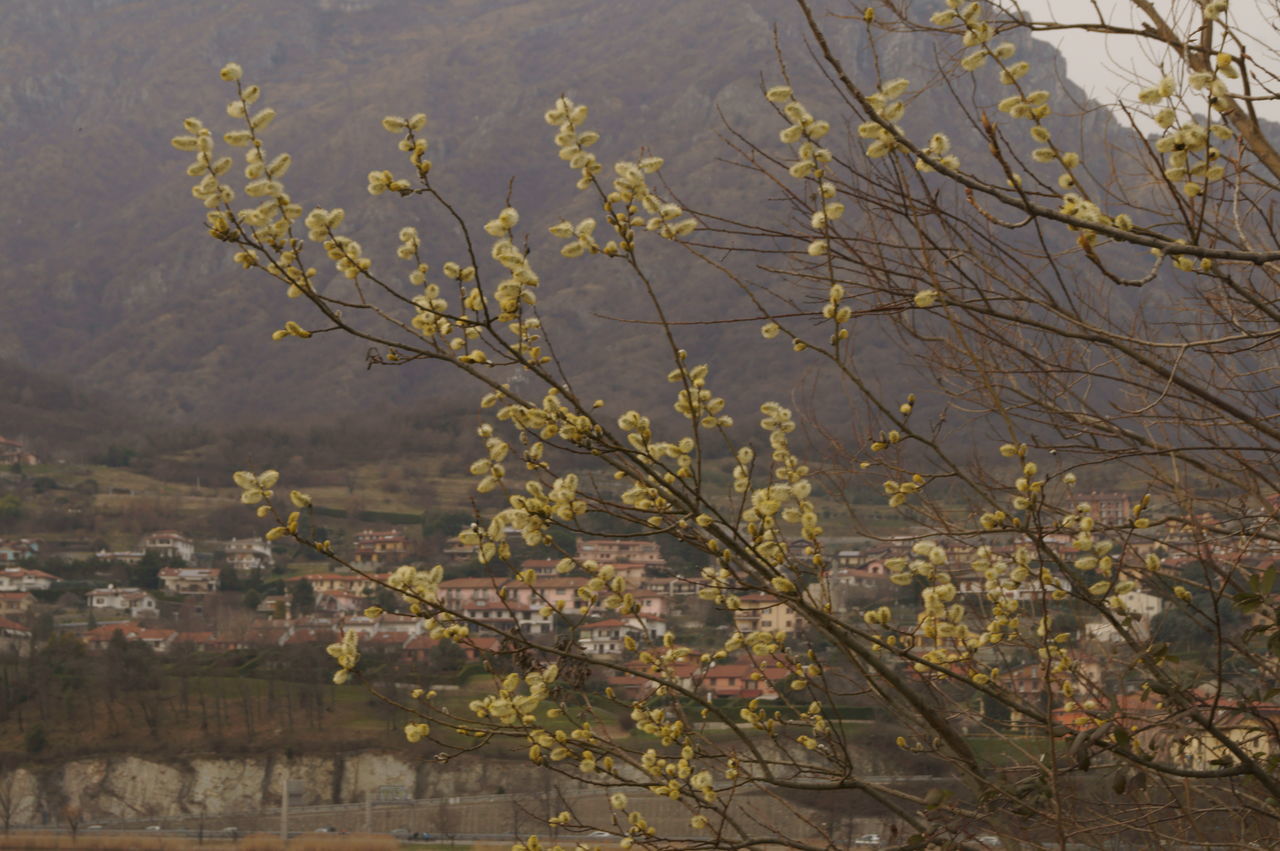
(310, 635)
(493, 614)
(468, 590)
(509, 614)
(852, 585)
(1109, 508)
(352, 583)
(22, 579)
(170, 546)
(652, 604)
(763, 613)
(159, 640)
(135, 601)
(14, 452)
(247, 555)
(740, 680)
(642, 551)
(1138, 602)
(18, 549)
(125, 556)
(15, 639)
(671, 586)
(542, 566)
(387, 623)
(420, 648)
(608, 637)
(559, 591)
(203, 642)
(339, 602)
(189, 580)
(381, 546)
(455, 552)
(277, 606)
(388, 642)
(16, 604)
(266, 634)
(638, 686)
(633, 573)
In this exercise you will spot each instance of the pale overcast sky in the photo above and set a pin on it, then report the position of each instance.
(1106, 64)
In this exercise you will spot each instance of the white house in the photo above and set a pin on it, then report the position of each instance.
(170, 545)
(1137, 602)
(135, 601)
(21, 579)
(189, 580)
(608, 637)
(248, 554)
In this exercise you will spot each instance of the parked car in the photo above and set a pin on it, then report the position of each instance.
(871, 839)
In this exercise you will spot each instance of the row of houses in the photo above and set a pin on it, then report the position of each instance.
(736, 677)
(406, 640)
(141, 603)
(395, 634)
(246, 555)
(371, 547)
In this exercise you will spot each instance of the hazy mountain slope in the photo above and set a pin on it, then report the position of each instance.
(107, 275)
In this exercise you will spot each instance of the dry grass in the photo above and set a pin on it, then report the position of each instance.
(134, 842)
(373, 842)
(93, 842)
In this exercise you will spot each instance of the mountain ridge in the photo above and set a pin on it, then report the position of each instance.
(112, 280)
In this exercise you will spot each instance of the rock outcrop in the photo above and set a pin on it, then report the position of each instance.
(124, 788)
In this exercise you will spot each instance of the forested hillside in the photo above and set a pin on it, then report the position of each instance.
(108, 282)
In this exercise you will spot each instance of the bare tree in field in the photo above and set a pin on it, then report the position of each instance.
(74, 817)
(9, 800)
(1076, 640)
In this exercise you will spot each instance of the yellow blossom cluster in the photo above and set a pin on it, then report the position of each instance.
(511, 708)
(412, 144)
(581, 236)
(631, 192)
(568, 117)
(256, 487)
(518, 289)
(417, 586)
(888, 109)
(1030, 105)
(803, 132)
(268, 224)
(347, 654)
(533, 512)
(695, 402)
(347, 254)
(1190, 157)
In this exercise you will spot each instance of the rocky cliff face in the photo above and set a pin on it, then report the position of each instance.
(129, 787)
(474, 795)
